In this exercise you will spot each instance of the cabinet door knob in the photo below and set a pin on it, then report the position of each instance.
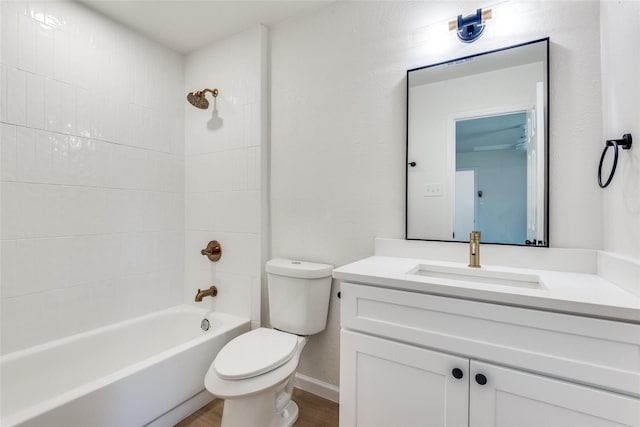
(481, 379)
(457, 373)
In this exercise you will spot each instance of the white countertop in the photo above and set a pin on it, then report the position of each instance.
(567, 292)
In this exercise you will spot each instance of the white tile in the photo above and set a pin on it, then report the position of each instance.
(9, 36)
(12, 207)
(38, 210)
(239, 169)
(26, 266)
(36, 10)
(67, 107)
(139, 95)
(8, 259)
(53, 272)
(121, 121)
(83, 112)
(75, 160)
(62, 64)
(234, 293)
(82, 58)
(4, 76)
(57, 14)
(61, 173)
(109, 113)
(52, 113)
(35, 101)
(209, 172)
(68, 311)
(200, 212)
(44, 49)
(8, 152)
(25, 154)
(103, 163)
(16, 97)
(72, 102)
(245, 206)
(97, 115)
(43, 156)
(27, 44)
(254, 168)
(241, 253)
(27, 312)
(250, 125)
(105, 294)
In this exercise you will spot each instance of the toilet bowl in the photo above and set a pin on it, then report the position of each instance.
(256, 399)
(254, 372)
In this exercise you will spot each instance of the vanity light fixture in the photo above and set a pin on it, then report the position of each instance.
(470, 27)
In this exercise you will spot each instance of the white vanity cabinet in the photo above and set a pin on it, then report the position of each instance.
(386, 383)
(413, 359)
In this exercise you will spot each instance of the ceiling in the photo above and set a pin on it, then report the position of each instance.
(500, 132)
(187, 25)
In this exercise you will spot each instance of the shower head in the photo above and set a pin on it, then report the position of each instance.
(198, 99)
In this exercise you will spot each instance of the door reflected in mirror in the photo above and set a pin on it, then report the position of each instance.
(476, 147)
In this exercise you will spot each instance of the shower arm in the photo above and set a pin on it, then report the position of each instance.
(214, 92)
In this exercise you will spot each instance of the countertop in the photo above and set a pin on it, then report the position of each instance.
(565, 292)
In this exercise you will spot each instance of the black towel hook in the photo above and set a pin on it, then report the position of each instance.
(625, 143)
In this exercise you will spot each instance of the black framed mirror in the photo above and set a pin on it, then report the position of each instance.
(477, 147)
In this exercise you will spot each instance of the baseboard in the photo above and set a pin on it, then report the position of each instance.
(183, 410)
(317, 387)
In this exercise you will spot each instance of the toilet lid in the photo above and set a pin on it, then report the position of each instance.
(254, 353)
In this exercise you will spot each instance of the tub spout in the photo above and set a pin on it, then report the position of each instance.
(211, 292)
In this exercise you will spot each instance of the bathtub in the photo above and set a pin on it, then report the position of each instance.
(132, 373)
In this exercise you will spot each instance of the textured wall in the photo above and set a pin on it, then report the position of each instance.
(620, 47)
(224, 168)
(92, 173)
(338, 126)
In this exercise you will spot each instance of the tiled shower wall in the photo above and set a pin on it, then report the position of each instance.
(225, 158)
(92, 171)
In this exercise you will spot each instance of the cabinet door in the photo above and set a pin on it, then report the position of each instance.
(389, 384)
(512, 398)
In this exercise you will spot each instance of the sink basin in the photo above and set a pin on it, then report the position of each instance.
(478, 275)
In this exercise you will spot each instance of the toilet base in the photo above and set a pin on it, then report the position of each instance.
(288, 415)
(258, 411)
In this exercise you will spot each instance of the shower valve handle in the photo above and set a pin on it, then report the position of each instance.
(213, 251)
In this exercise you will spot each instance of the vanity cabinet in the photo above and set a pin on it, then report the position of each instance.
(411, 359)
(385, 383)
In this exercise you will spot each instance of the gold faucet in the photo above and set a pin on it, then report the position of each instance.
(474, 249)
(211, 292)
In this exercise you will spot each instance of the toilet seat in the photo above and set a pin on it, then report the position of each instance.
(238, 389)
(254, 353)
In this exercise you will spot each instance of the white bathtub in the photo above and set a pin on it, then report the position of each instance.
(126, 374)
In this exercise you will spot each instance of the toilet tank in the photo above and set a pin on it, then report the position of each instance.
(298, 295)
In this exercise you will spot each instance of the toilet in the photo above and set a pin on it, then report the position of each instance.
(254, 372)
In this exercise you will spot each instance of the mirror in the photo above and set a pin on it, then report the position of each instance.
(477, 147)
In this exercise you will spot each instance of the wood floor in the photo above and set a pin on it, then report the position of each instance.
(314, 412)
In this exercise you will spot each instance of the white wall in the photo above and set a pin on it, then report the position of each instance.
(225, 172)
(92, 173)
(620, 47)
(338, 126)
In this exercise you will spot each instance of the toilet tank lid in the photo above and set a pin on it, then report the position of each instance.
(300, 269)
